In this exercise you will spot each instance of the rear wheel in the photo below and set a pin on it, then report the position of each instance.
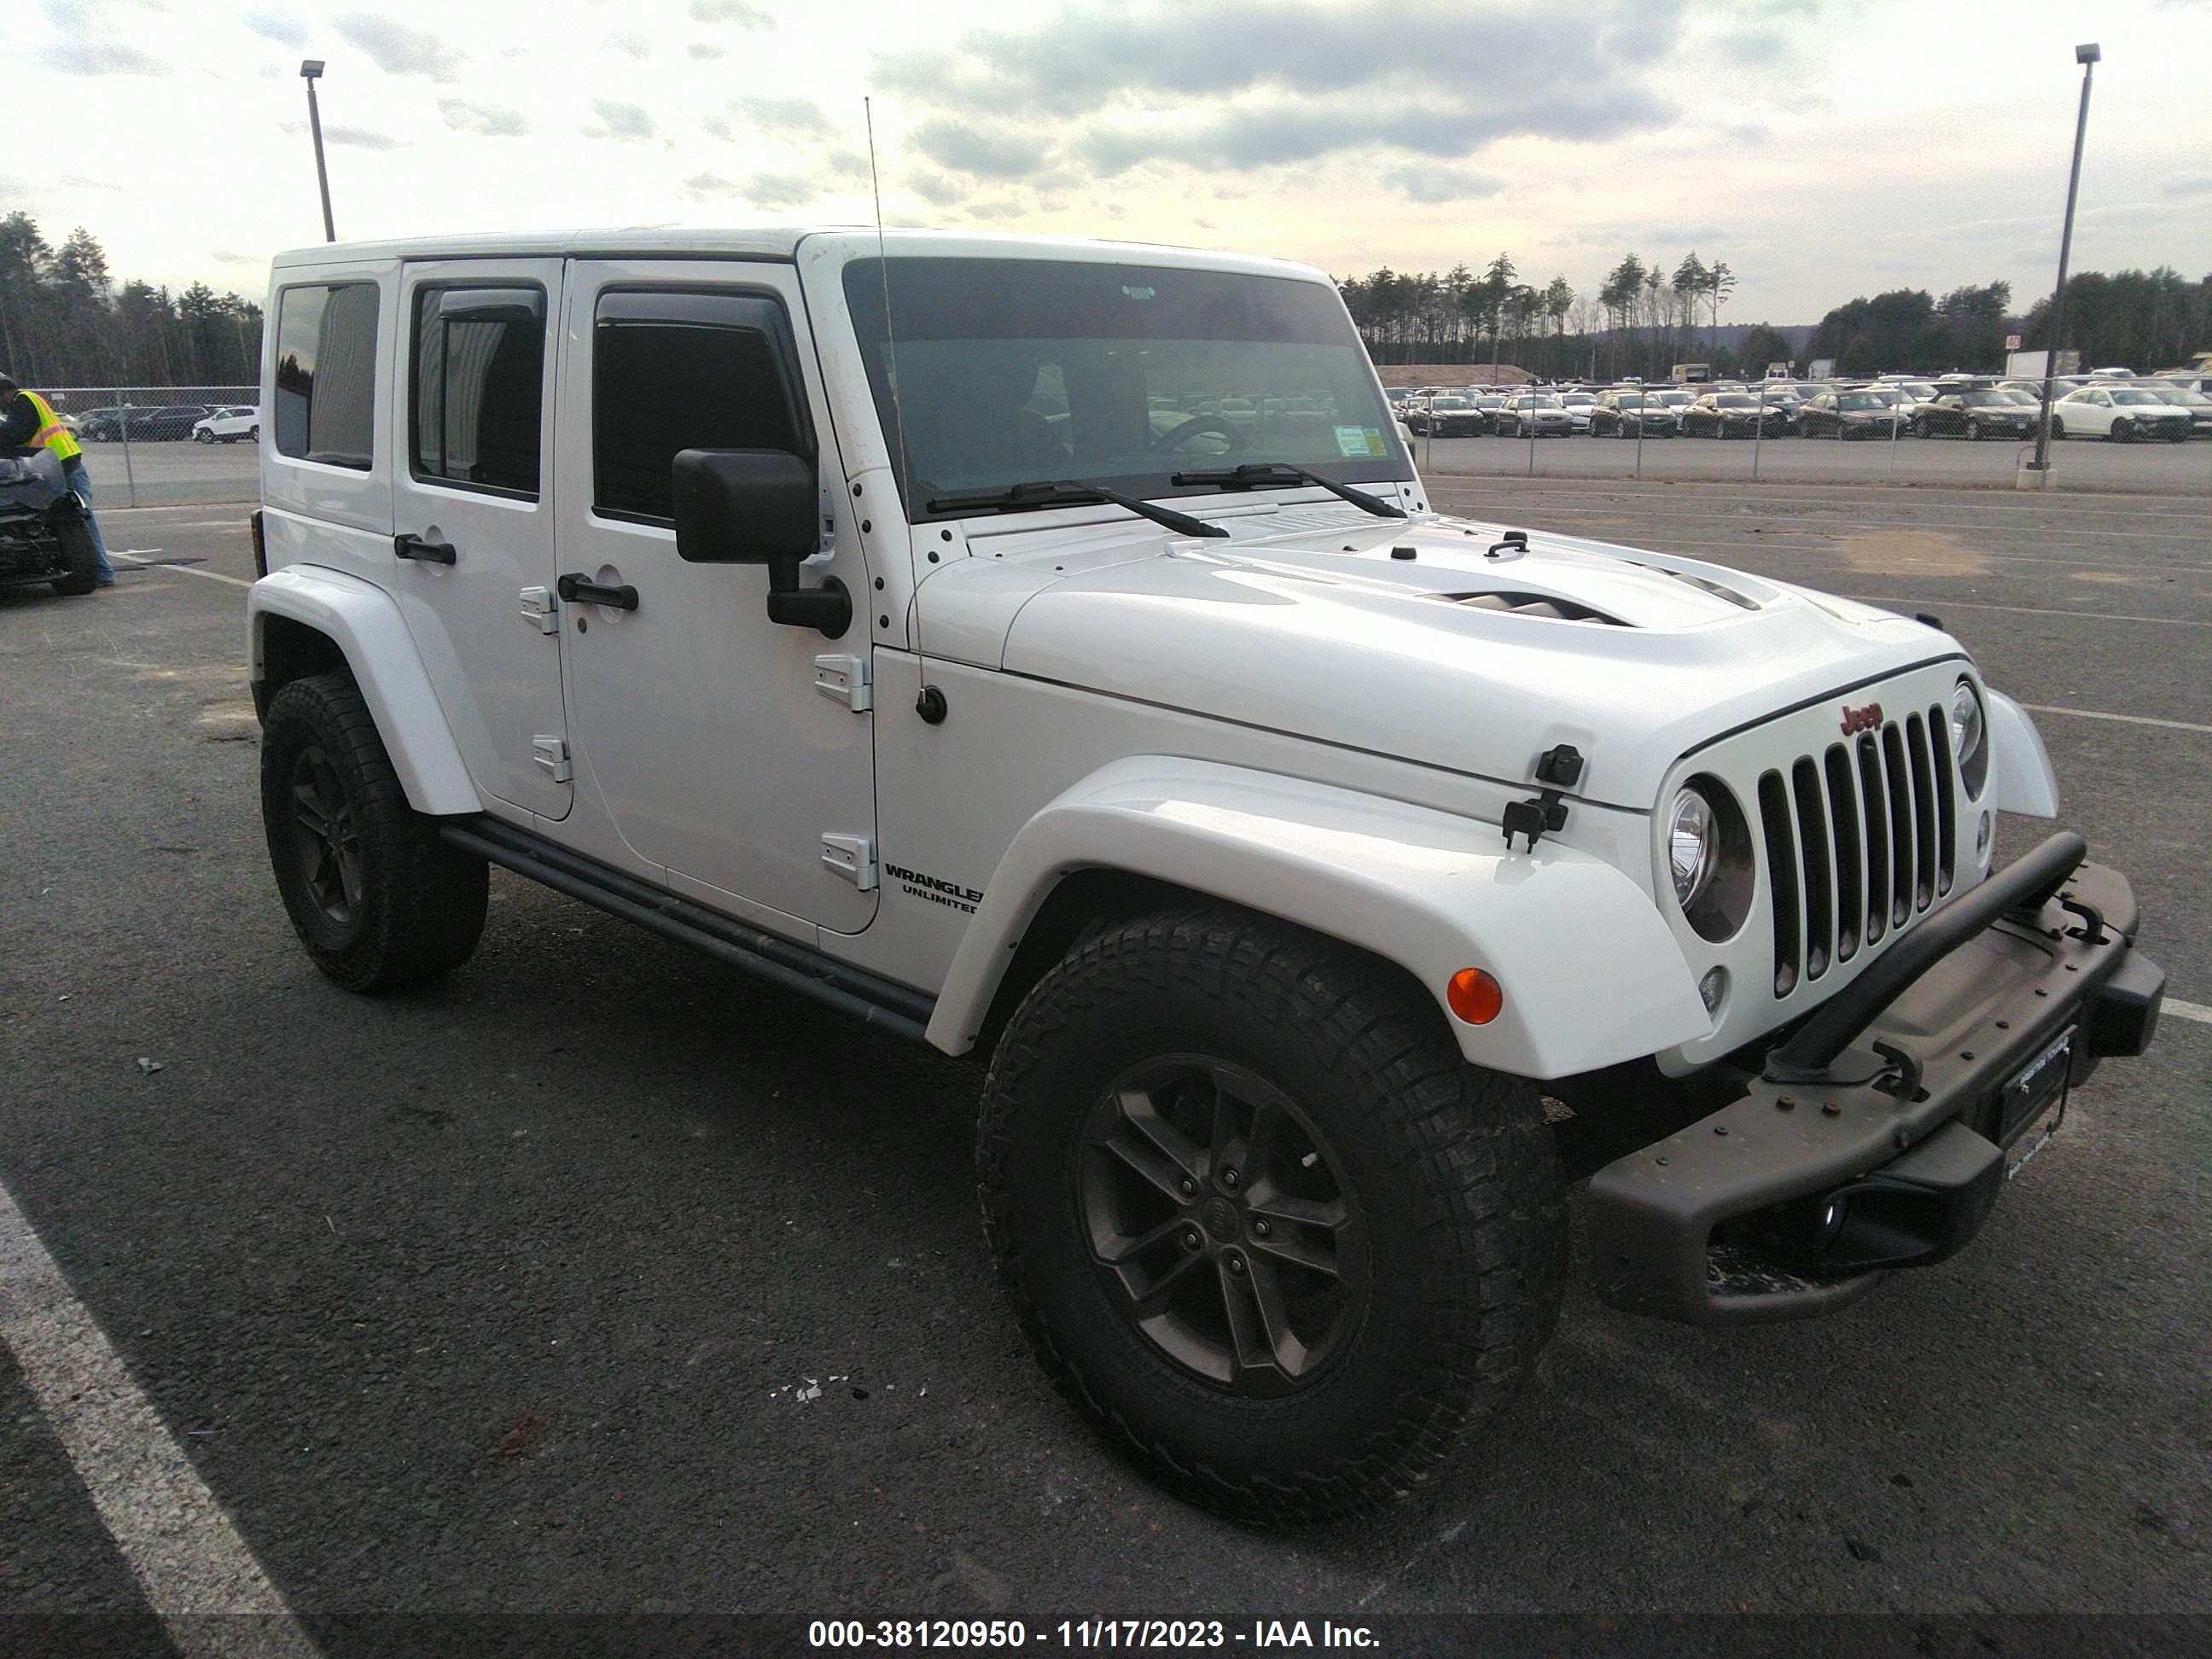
(1258, 1220)
(2058, 427)
(80, 555)
(376, 898)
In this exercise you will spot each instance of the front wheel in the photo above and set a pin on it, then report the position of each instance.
(1258, 1220)
(2124, 431)
(81, 557)
(375, 896)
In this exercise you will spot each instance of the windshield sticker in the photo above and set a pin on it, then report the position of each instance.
(1358, 441)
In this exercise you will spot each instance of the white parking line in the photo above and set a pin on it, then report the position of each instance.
(132, 557)
(1888, 600)
(2130, 719)
(2195, 1010)
(169, 1528)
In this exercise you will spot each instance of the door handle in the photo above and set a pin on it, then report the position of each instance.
(414, 547)
(582, 589)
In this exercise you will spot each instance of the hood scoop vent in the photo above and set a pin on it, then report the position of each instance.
(1713, 588)
(1548, 606)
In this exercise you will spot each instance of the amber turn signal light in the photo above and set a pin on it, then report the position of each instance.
(1475, 996)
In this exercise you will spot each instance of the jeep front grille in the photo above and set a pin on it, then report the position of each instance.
(1859, 840)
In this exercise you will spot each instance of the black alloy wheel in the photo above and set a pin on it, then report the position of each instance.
(376, 895)
(1258, 1220)
(325, 836)
(1219, 1226)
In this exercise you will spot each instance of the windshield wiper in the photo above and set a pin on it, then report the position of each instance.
(1253, 474)
(1071, 492)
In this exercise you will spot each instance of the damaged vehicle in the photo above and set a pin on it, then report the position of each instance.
(1324, 881)
(45, 538)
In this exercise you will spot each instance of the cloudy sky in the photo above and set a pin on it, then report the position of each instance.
(1823, 147)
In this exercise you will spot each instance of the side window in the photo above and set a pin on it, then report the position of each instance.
(675, 371)
(326, 374)
(479, 387)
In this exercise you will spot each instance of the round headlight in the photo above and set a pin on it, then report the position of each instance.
(1692, 833)
(1965, 723)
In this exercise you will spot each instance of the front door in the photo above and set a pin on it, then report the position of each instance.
(473, 560)
(696, 719)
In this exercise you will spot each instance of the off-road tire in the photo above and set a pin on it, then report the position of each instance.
(81, 556)
(421, 904)
(1453, 1169)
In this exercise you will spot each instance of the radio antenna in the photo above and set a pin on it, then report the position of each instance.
(930, 703)
(884, 268)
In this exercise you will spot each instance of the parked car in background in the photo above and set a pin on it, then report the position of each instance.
(1631, 412)
(1578, 405)
(1992, 413)
(2119, 413)
(155, 425)
(1868, 412)
(2199, 406)
(1447, 417)
(1533, 414)
(227, 424)
(1732, 415)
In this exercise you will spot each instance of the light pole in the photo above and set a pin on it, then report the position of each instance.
(308, 71)
(2087, 56)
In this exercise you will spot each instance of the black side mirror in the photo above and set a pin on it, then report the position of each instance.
(758, 506)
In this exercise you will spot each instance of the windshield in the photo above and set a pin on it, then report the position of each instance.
(1861, 400)
(1739, 401)
(1542, 403)
(1450, 402)
(2123, 397)
(1014, 371)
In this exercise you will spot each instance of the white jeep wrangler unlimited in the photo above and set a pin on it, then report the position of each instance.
(1047, 650)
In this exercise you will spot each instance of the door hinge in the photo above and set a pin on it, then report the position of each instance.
(844, 680)
(552, 754)
(853, 857)
(538, 607)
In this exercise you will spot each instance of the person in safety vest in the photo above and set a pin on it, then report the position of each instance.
(29, 422)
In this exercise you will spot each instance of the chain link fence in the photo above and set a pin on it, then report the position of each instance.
(165, 446)
(169, 446)
(2146, 434)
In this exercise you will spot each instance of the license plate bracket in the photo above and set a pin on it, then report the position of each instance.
(2034, 1099)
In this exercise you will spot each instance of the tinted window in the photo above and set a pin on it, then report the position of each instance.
(326, 374)
(479, 380)
(682, 371)
(980, 344)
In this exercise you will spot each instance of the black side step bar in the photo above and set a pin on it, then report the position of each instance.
(874, 1000)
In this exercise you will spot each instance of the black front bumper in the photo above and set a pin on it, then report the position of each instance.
(1909, 1123)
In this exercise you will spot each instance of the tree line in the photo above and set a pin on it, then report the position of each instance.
(1644, 319)
(65, 322)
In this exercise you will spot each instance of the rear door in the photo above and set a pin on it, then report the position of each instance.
(472, 555)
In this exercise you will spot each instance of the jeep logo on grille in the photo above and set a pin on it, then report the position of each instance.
(1861, 720)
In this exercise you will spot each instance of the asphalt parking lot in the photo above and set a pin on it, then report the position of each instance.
(511, 1294)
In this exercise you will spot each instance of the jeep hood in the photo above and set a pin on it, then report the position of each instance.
(1473, 654)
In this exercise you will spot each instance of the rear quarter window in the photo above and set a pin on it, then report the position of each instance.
(326, 378)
